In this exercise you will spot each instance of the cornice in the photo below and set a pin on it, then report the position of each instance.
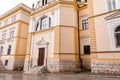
(48, 6)
(105, 13)
(14, 23)
(15, 9)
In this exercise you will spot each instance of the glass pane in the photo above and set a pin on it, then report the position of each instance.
(109, 6)
(45, 23)
(118, 39)
(117, 29)
(114, 4)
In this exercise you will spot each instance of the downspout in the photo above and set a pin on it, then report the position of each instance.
(78, 24)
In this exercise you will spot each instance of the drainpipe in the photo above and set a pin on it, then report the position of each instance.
(78, 24)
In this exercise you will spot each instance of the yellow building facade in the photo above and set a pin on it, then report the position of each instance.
(13, 37)
(104, 28)
(62, 35)
(53, 36)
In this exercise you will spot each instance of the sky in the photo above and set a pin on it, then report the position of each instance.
(6, 5)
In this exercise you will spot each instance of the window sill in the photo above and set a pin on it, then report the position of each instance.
(84, 29)
(86, 54)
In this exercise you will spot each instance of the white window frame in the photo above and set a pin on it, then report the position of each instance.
(1, 50)
(11, 33)
(111, 4)
(3, 35)
(85, 24)
(43, 23)
(13, 18)
(6, 22)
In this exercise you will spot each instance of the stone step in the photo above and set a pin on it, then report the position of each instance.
(37, 70)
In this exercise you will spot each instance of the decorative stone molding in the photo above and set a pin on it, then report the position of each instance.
(42, 42)
(62, 65)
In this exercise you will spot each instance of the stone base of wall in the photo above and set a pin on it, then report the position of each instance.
(18, 64)
(87, 64)
(105, 67)
(62, 65)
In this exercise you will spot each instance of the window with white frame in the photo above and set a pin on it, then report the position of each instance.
(6, 22)
(11, 33)
(111, 5)
(43, 23)
(1, 49)
(85, 24)
(3, 35)
(117, 36)
(13, 18)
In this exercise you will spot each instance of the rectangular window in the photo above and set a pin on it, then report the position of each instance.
(44, 2)
(86, 49)
(6, 22)
(11, 33)
(1, 49)
(82, 0)
(85, 24)
(6, 62)
(14, 18)
(111, 5)
(45, 23)
(3, 35)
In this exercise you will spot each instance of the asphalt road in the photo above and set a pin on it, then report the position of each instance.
(57, 76)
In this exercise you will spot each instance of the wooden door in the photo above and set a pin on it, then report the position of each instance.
(41, 56)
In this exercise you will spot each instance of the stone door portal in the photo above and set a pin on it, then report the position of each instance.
(41, 56)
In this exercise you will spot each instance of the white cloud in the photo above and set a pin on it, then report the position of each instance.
(6, 5)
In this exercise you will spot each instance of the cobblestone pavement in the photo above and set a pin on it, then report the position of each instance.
(57, 76)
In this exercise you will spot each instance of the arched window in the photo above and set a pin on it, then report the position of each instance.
(117, 36)
(9, 49)
(37, 27)
(43, 23)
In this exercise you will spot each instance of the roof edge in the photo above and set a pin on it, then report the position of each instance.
(14, 9)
